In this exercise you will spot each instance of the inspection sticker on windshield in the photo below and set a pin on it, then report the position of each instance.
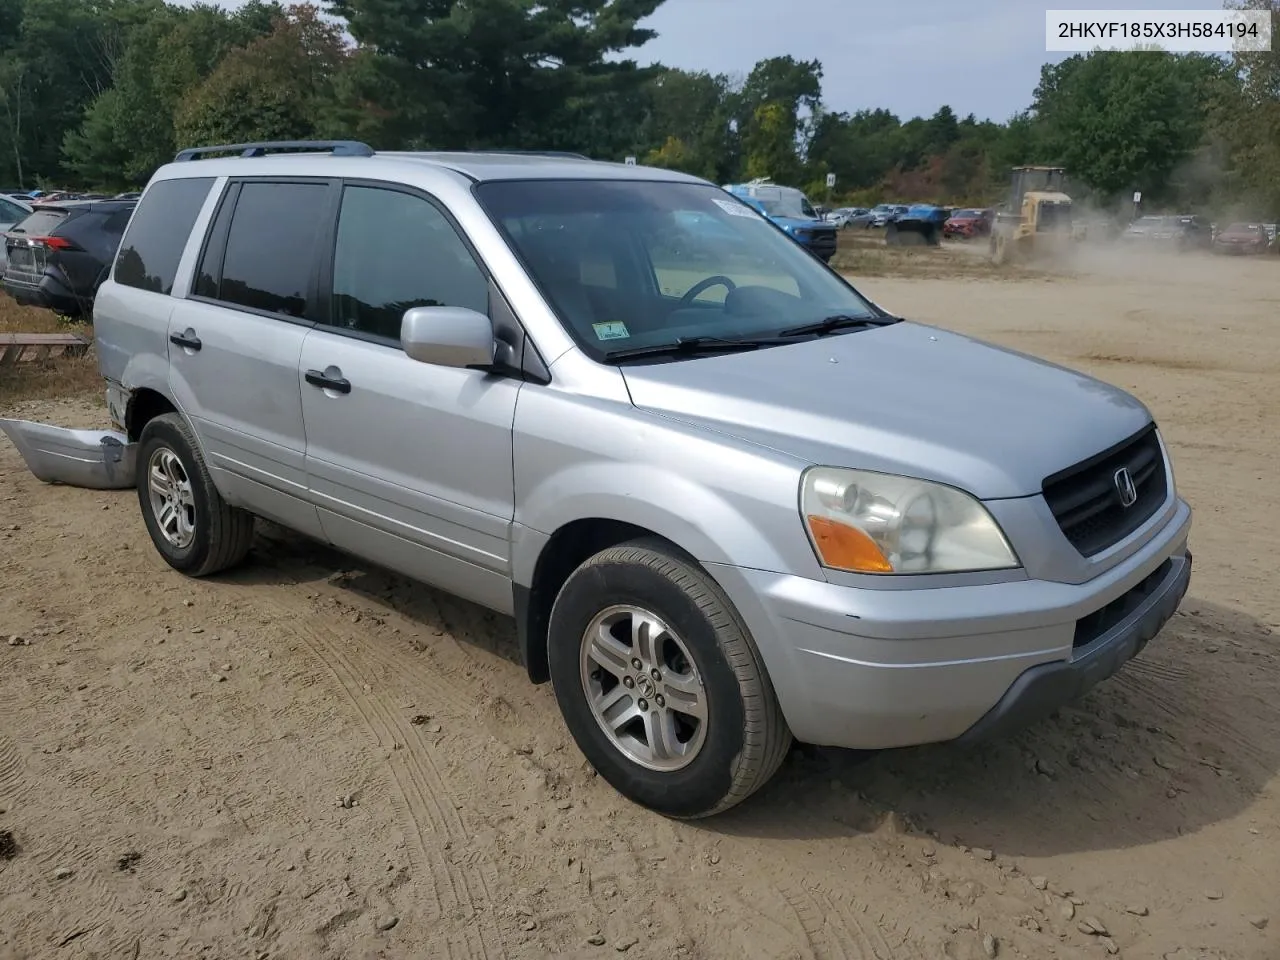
(612, 330)
(734, 208)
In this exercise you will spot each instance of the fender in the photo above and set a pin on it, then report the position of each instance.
(706, 523)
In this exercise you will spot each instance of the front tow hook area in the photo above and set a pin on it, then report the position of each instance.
(1041, 689)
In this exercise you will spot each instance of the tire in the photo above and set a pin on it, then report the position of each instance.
(703, 644)
(205, 535)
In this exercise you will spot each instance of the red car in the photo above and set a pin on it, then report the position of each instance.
(1242, 238)
(964, 224)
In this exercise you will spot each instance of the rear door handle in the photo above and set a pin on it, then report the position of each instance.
(187, 339)
(318, 378)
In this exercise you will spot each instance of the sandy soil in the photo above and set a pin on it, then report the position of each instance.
(309, 759)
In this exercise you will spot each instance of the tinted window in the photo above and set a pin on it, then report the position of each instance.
(150, 251)
(271, 247)
(396, 251)
(41, 223)
(116, 222)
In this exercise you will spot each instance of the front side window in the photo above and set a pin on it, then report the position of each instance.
(641, 264)
(396, 251)
(153, 245)
(271, 248)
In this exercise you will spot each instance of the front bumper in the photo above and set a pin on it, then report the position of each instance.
(1042, 689)
(881, 668)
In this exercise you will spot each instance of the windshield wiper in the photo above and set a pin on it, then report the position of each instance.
(838, 321)
(692, 345)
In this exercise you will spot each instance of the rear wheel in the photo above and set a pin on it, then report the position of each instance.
(190, 524)
(660, 683)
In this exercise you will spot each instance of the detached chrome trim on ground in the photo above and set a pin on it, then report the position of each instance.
(97, 459)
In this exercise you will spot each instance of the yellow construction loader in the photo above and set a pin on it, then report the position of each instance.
(1035, 222)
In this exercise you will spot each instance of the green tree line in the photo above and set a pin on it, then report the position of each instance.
(98, 93)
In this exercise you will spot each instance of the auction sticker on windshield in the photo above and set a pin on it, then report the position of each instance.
(612, 330)
(734, 208)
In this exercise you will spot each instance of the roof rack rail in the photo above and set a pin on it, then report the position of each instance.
(562, 154)
(338, 148)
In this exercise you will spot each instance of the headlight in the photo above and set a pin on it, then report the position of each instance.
(867, 522)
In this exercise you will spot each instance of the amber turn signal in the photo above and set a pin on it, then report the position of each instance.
(847, 548)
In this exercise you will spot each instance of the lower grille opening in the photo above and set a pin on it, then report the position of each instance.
(1090, 628)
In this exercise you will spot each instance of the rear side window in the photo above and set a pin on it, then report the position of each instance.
(41, 223)
(153, 245)
(270, 257)
(116, 222)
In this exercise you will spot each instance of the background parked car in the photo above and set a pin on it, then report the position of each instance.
(918, 223)
(842, 217)
(1193, 232)
(1184, 231)
(966, 223)
(59, 255)
(1242, 238)
(12, 211)
(1149, 229)
(791, 210)
(859, 221)
(882, 213)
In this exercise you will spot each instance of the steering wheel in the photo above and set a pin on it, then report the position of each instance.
(703, 285)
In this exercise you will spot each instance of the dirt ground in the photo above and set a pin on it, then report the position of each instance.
(310, 759)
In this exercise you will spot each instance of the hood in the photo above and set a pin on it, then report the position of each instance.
(907, 399)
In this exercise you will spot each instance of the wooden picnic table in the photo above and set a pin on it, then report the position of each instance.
(24, 347)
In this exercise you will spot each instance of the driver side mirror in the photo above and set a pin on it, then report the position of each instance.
(448, 337)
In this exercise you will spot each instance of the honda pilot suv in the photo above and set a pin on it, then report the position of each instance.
(728, 500)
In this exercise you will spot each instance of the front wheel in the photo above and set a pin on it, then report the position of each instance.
(660, 683)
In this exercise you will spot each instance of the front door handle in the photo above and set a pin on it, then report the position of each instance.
(319, 378)
(187, 339)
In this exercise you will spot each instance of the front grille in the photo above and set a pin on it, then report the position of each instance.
(1086, 499)
(1090, 628)
(823, 242)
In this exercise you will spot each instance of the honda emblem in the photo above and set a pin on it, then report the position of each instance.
(1124, 486)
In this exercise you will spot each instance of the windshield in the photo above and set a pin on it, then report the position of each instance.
(967, 214)
(630, 264)
(787, 203)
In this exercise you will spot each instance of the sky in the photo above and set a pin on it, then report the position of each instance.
(908, 56)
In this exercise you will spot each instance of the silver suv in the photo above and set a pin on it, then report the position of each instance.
(728, 500)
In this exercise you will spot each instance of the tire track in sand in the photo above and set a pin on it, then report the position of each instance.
(830, 927)
(12, 768)
(424, 802)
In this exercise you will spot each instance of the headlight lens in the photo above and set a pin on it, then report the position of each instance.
(867, 522)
